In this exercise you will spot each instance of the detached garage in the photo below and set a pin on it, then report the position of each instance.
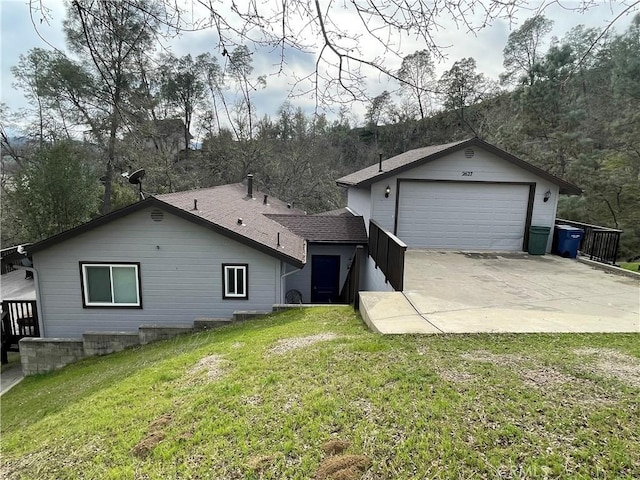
(467, 195)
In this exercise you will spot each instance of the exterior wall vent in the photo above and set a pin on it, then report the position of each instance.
(157, 215)
(469, 153)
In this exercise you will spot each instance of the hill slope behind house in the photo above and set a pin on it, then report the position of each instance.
(312, 394)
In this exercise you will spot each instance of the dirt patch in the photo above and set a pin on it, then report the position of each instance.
(155, 435)
(333, 447)
(288, 344)
(160, 422)
(343, 467)
(613, 363)
(144, 446)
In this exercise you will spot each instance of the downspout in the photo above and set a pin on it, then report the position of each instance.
(36, 284)
(282, 277)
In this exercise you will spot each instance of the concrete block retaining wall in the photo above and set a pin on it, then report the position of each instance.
(42, 355)
(103, 343)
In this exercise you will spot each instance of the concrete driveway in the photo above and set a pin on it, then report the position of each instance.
(460, 292)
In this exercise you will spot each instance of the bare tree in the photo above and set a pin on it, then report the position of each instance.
(416, 72)
(347, 40)
(110, 36)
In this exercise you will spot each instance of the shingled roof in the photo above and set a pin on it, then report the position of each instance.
(325, 228)
(220, 209)
(225, 205)
(419, 156)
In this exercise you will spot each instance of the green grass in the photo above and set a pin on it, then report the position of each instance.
(466, 406)
(633, 266)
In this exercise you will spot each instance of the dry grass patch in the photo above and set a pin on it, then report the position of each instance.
(294, 343)
(615, 364)
(545, 378)
(452, 375)
(501, 359)
(207, 369)
(261, 462)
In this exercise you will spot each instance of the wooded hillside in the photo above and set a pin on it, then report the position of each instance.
(572, 108)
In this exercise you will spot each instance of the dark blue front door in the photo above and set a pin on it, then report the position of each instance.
(325, 278)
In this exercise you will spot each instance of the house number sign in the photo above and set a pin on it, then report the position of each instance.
(467, 174)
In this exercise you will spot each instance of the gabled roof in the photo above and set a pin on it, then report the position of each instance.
(339, 212)
(218, 208)
(419, 156)
(325, 228)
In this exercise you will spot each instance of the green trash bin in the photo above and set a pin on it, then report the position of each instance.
(538, 237)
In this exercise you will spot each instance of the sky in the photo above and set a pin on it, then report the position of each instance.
(18, 35)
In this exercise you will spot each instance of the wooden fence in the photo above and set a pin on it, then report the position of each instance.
(387, 251)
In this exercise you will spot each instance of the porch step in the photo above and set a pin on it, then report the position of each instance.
(209, 323)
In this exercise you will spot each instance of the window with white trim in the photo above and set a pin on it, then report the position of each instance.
(234, 281)
(111, 285)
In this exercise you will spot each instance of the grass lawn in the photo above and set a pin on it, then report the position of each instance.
(313, 394)
(633, 266)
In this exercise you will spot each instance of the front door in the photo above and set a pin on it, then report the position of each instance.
(325, 278)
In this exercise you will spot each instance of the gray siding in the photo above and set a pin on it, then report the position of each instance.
(359, 201)
(372, 278)
(485, 167)
(301, 280)
(180, 269)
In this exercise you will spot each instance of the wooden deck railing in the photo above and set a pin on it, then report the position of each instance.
(387, 251)
(19, 320)
(351, 287)
(598, 243)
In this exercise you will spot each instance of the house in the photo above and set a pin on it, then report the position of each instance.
(176, 257)
(466, 195)
(173, 258)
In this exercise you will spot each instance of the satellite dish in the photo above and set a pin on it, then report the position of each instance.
(136, 177)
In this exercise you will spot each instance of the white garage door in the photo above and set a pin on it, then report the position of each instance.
(453, 215)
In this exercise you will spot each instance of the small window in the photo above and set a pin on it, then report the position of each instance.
(111, 285)
(234, 281)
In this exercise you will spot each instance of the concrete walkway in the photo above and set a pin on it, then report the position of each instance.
(464, 292)
(9, 378)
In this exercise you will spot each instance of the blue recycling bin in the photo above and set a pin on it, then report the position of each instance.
(568, 240)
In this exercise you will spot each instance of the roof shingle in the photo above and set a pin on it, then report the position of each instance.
(325, 229)
(226, 204)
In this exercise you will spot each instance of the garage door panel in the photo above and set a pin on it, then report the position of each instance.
(459, 215)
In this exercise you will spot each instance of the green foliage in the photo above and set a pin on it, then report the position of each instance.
(54, 191)
(522, 54)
